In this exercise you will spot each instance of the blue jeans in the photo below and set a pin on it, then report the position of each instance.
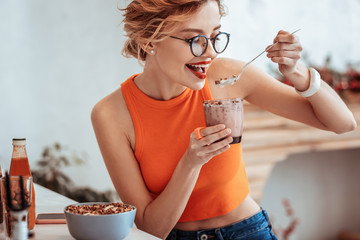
(256, 227)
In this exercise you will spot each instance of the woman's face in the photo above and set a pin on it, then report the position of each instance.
(173, 58)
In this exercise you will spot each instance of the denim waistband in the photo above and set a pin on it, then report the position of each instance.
(261, 219)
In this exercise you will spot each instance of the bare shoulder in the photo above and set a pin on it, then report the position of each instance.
(111, 115)
(108, 104)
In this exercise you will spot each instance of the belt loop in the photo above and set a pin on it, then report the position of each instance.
(218, 234)
(267, 218)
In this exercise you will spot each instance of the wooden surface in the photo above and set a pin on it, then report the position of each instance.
(268, 139)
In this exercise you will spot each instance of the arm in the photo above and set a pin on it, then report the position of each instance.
(327, 106)
(324, 110)
(111, 122)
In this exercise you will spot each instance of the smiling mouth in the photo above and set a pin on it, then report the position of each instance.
(200, 68)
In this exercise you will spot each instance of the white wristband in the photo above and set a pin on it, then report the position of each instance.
(314, 86)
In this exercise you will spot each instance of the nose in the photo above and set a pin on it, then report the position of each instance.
(210, 52)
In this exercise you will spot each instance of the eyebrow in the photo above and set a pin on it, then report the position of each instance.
(196, 30)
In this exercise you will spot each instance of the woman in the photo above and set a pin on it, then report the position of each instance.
(185, 188)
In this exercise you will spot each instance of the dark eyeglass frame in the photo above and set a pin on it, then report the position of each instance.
(191, 41)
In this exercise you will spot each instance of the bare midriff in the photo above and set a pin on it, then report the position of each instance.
(245, 210)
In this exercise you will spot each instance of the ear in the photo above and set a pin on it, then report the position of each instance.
(149, 48)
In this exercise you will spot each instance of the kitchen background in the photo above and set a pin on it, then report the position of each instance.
(58, 58)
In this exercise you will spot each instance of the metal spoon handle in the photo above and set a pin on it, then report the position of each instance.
(268, 48)
(232, 79)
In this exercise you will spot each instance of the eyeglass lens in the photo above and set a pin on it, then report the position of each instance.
(200, 43)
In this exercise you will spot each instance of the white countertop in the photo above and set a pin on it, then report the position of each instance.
(48, 201)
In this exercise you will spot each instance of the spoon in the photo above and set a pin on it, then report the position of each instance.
(232, 79)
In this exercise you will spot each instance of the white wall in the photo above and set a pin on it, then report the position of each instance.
(323, 188)
(58, 58)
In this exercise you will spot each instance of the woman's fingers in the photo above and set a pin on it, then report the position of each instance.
(284, 36)
(220, 150)
(205, 143)
(209, 151)
(281, 46)
(286, 52)
(213, 129)
(285, 57)
(213, 134)
(219, 145)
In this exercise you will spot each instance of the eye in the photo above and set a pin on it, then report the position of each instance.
(197, 40)
(214, 36)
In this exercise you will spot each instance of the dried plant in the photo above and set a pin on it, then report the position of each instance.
(286, 232)
(49, 173)
(341, 82)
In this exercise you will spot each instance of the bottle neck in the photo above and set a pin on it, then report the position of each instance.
(19, 151)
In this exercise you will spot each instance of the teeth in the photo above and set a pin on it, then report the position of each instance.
(200, 65)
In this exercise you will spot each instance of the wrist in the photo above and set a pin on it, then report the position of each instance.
(314, 84)
(299, 77)
(186, 162)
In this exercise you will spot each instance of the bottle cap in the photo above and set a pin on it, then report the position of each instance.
(19, 141)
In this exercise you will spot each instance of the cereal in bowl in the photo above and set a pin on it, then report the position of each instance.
(99, 209)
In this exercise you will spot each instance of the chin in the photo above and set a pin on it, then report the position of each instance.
(198, 85)
(194, 82)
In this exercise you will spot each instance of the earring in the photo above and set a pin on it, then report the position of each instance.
(152, 51)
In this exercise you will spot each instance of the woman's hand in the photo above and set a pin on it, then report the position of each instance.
(286, 53)
(201, 151)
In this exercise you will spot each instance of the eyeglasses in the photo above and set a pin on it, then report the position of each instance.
(199, 43)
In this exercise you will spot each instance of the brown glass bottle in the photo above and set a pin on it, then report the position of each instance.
(20, 167)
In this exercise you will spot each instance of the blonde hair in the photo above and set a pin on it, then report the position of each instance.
(145, 21)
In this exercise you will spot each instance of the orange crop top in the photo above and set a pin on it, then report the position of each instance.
(162, 130)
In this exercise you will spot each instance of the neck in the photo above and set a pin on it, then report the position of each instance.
(158, 86)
